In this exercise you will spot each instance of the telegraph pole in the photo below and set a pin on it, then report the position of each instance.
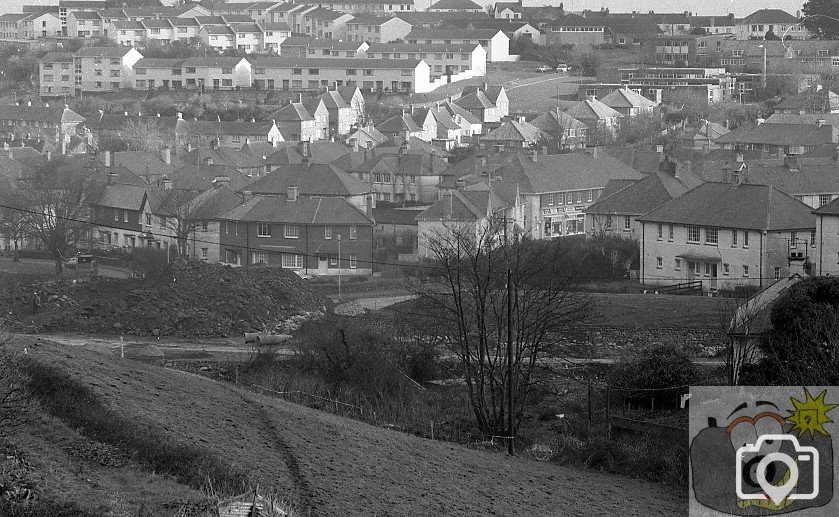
(339, 267)
(510, 410)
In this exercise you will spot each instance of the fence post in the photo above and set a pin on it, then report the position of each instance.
(237, 375)
(608, 415)
(588, 422)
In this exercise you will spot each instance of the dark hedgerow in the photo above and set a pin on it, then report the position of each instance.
(76, 405)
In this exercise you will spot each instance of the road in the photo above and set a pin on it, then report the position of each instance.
(41, 266)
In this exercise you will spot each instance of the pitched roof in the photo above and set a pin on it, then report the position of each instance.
(514, 131)
(304, 210)
(642, 160)
(574, 20)
(626, 98)
(292, 112)
(706, 130)
(721, 205)
(562, 172)
(200, 176)
(313, 179)
(398, 124)
(334, 62)
(803, 118)
(811, 100)
(766, 16)
(516, 7)
(39, 114)
(831, 208)
(463, 206)
(781, 134)
(643, 195)
(158, 62)
(323, 13)
(410, 164)
(214, 62)
(222, 156)
(85, 15)
(129, 197)
(475, 100)
(452, 34)
(591, 109)
(119, 51)
(456, 5)
(57, 57)
(370, 132)
(805, 179)
(552, 121)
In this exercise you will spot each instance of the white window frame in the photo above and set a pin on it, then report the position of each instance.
(263, 230)
(353, 232)
(291, 231)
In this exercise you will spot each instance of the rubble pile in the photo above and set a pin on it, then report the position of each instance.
(194, 300)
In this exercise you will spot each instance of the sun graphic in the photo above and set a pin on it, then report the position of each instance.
(810, 415)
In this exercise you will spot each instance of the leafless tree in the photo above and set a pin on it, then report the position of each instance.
(184, 212)
(13, 396)
(14, 224)
(143, 135)
(467, 305)
(58, 195)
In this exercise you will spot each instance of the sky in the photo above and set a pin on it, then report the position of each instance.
(740, 8)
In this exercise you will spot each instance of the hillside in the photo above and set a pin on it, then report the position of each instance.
(330, 465)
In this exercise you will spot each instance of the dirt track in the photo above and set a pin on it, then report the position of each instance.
(342, 467)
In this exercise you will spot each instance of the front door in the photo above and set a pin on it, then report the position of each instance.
(691, 266)
(323, 265)
(713, 276)
(270, 84)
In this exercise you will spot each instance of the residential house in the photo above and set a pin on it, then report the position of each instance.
(825, 256)
(100, 130)
(726, 235)
(234, 158)
(470, 125)
(703, 137)
(475, 216)
(626, 29)
(366, 137)
(489, 104)
(291, 14)
(573, 29)
(779, 139)
(713, 25)
(564, 130)
(247, 37)
(199, 177)
(204, 238)
(317, 108)
(218, 73)
(438, 127)
(515, 134)
(105, 69)
(9, 23)
(455, 6)
(400, 125)
(403, 176)
(127, 33)
(219, 37)
(377, 29)
(185, 29)
(595, 115)
(813, 101)
(234, 134)
(629, 103)
(769, 21)
(296, 123)
(508, 10)
(55, 125)
(340, 116)
(616, 213)
(150, 166)
(159, 30)
(45, 25)
(122, 217)
(307, 47)
(160, 73)
(316, 236)
(326, 23)
(495, 42)
(379, 7)
(85, 24)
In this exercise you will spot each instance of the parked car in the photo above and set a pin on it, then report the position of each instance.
(562, 67)
(544, 68)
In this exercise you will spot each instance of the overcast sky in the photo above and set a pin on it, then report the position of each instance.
(739, 8)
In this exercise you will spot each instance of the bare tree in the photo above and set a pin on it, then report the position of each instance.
(467, 305)
(143, 135)
(13, 396)
(14, 224)
(182, 212)
(58, 195)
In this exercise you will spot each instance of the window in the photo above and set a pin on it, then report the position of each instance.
(777, 273)
(711, 236)
(125, 216)
(148, 219)
(812, 237)
(707, 269)
(659, 262)
(627, 223)
(353, 232)
(678, 264)
(824, 199)
(353, 261)
(351, 71)
(292, 231)
(550, 199)
(821, 53)
(204, 226)
(660, 231)
(226, 71)
(314, 71)
(745, 238)
(204, 253)
(292, 261)
(733, 238)
(327, 232)
(259, 257)
(589, 196)
(114, 73)
(579, 197)
(116, 215)
(725, 269)
(263, 230)
(694, 233)
(670, 232)
(745, 271)
(333, 260)
(297, 71)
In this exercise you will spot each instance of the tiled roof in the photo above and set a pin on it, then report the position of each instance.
(707, 130)
(642, 160)
(57, 57)
(474, 100)
(39, 113)
(223, 156)
(626, 98)
(592, 109)
(514, 131)
(158, 62)
(200, 176)
(552, 121)
(463, 206)
(239, 127)
(86, 15)
(214, 62)
(370, 19)
(454, 109)
(831, 208)
(313, 179)
(766, 16)
(811, 101)
(292, 112)
(334, 63)
(323, 13)
(562, 172)
(804, 179)
(183, 22)
(516, 7)
(129, 197)
(305, 210)
(157, 24)
(274, 26)
(417, 48)
(574, 20)
(210, 20)
(781, 134)
(452, 34)
(401, 216)
(746, 206)
(456, 5)
(217, 29)
(399, 123)
(411, 164)
(103, 51)
(129, 25)
(644, 195)
(114, 122)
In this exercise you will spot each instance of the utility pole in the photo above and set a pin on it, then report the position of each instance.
(339, 267)
(510, 410)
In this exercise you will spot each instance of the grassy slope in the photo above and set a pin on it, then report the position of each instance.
(341, 467)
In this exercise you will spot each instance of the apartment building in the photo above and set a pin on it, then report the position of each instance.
(326, 23)
(496, 43)
(29, 26)
(312, 48)
(50, 123)
(573, 29)
(769, 21)
(85, 24)
(57, 76)
(377, 29)
(380, 7)
(442, 60)
(404, 75)
(102, 69)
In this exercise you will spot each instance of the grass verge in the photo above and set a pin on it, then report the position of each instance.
(77, 406)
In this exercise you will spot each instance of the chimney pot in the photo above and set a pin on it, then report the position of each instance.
(107, 158)
(292, 193)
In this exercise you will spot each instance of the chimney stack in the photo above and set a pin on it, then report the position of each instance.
(167, 183)
(208, 161)
(292, 193)
(107, 158)
(166, 155)
(447, 204)
(221, 181)
(738, 157)
(112, 177)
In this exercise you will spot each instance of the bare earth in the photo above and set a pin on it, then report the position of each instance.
(335, 466)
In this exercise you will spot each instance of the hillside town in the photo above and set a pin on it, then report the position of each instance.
(569, 218)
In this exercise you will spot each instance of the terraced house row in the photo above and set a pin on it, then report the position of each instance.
(107, 69)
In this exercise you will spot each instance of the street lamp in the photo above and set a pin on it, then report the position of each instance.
(339, 267)
(764, 65)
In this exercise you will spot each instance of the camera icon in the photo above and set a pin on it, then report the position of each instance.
(758, 455)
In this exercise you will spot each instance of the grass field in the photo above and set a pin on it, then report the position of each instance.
(326, 464)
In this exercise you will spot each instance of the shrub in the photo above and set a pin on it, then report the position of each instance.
(43, 507)
(652, 372)
(76, 405)
(148, 262)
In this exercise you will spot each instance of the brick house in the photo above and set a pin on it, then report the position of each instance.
(299, 233)
(725, 235)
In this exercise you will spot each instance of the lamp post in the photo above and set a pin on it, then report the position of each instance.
(339, 267)
(763, 79)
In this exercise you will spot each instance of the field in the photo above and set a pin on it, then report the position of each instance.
(326, 464)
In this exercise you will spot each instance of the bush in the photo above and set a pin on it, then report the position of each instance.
(659, 373)
(42, 507)
(148, 262)
(76, 405)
